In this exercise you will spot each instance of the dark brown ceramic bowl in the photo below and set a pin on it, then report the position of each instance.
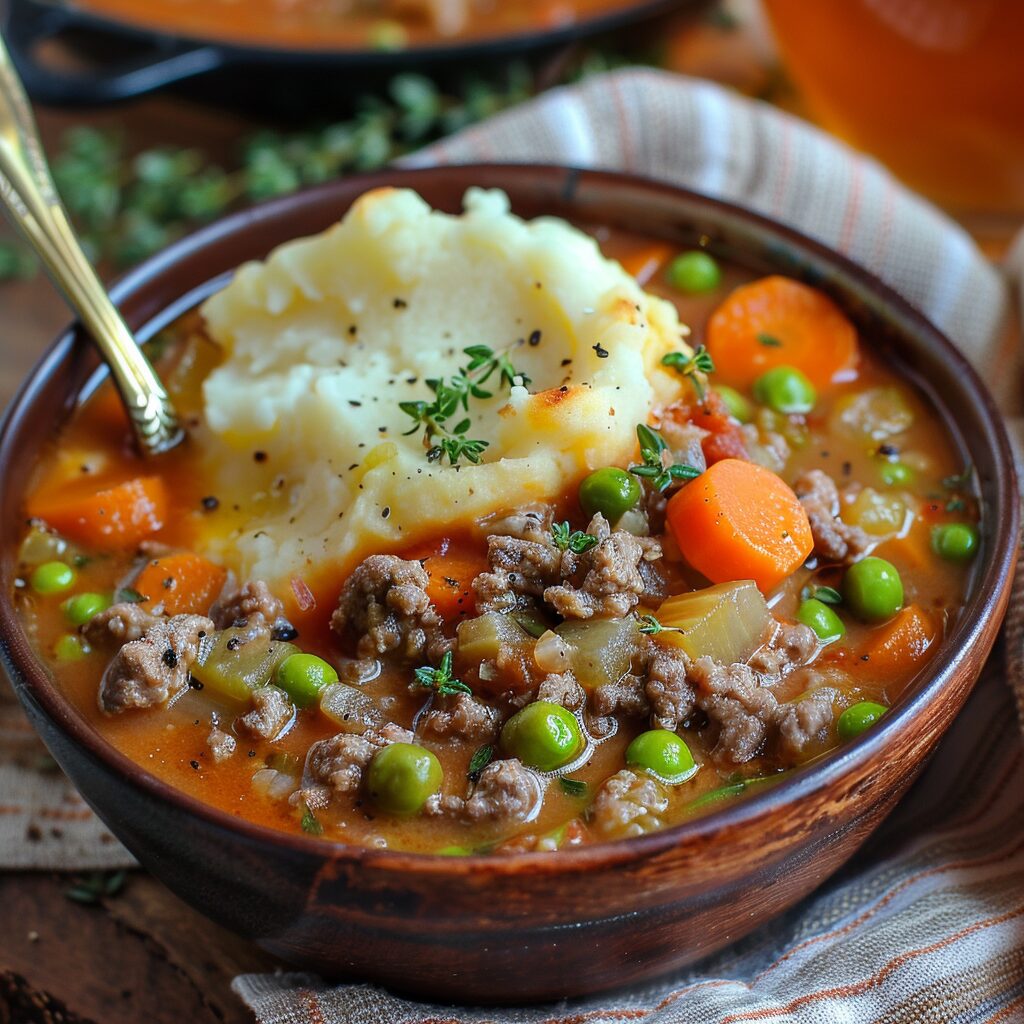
(527, 926)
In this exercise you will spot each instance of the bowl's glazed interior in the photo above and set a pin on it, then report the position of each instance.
(524, 926)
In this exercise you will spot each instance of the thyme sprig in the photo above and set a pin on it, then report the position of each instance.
(650, 626)
(654, 468)
(567, 539)
(440, 679)
(826, 595)
(695, 367)
(452, 394)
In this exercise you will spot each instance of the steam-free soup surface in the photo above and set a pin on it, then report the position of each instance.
(630, 656)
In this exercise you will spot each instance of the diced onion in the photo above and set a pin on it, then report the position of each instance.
(552, 653)
(273, 784)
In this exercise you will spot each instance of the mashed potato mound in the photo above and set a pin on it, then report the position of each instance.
(324, 339)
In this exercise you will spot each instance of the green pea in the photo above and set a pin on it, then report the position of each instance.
(544, 736)
(785, 389)
(739, 408)
(52, 578)
(873, 590)
(858, 718)
(454, 851)
(822, 619)
(896, 474)
(71, 647)
(402, 777)
(694, 272)
(955, 542)
(610, 491)
(78, 610)
(304, 677)
(663, 754)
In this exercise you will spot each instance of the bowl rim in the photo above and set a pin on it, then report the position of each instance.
(991, 584)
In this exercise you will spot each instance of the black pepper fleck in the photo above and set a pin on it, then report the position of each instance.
(534, 339)
(260, 456)
(385, 512)
(602, 353)
(195, 765)
(170, 658)
(210, 503)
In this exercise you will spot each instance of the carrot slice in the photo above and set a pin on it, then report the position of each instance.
(644, 263)
(182, 582)
(111, 519)
(451, 581)
(739, 521)
(776, 321)
(896, 649)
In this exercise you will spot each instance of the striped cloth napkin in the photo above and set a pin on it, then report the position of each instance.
(927, 924)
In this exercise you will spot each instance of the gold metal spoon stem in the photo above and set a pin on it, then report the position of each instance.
(30, 197)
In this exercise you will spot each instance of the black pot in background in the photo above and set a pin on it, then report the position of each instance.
(122, 60)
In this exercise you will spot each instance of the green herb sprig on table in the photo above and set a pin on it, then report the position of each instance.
(440, 679)
(653, 468)
(694, 367)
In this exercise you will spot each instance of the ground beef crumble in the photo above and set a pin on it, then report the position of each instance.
(834, 540)
(250, 604)
(384, 602)
(461, 717)
(628, 804)
(122, 622)
(152, 669)
(336, 765)
(271, 713)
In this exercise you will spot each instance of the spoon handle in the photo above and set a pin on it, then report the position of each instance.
(28, 193)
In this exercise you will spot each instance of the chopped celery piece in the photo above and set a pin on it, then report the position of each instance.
(875, 414)
(482, 639)
(876, 513)
(350, 709)
(41, 545)
(601, 650)
(232, 664)
(533, 622)
(728, 622)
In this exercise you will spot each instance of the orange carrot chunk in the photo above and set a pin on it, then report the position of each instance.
(776, 321)
(112, 519)
(451, 581)
(644, 263)
(182, 582)
(739, 521)
(896, 649)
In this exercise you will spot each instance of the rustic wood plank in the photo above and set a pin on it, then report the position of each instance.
(141, 955)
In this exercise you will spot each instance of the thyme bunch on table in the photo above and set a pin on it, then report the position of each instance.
(126, 205)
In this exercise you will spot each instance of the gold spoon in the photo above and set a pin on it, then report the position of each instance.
(31, 200)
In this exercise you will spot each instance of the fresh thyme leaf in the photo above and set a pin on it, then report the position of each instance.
(311, 823)
(695, 367)
(567, 539)
(129, 595)
(956, 505)
(650, 626)
(573, 787)
(453, 394)
(827, 595)
(95, 886)
(479, 761)
(653, 468)
(80, 561)
(768, 340)
(440, 679)
(959, 481)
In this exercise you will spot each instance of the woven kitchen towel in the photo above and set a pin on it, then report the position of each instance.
(928, 922)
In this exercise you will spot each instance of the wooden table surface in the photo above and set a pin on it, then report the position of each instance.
(143, 955)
